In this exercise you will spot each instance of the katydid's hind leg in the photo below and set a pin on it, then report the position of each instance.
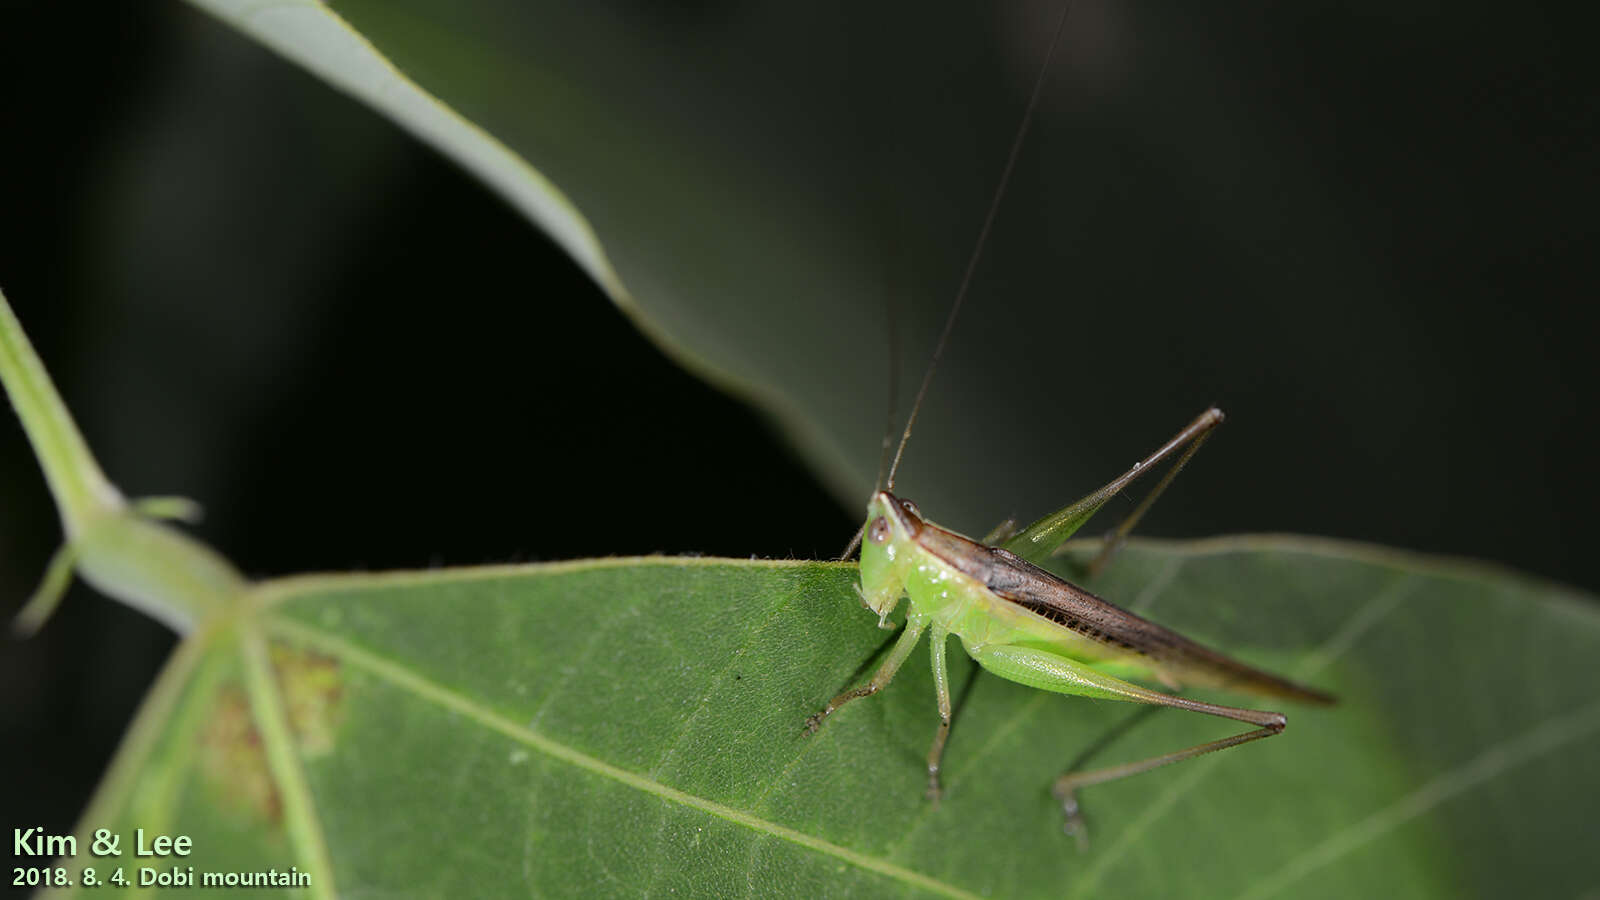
(885, 674)
(1067, 785)
(1041, 538)
(941, 689)
(1052, 672)
(1072, 815)
(1117, 537)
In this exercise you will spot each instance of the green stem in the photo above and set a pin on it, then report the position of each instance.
(119, 550)
(81, 490)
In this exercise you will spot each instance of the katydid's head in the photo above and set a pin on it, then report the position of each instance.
(886, 545)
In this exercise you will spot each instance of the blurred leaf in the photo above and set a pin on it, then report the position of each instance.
(703, 293)
(631, 726)
(1208, 210)
(751, 184)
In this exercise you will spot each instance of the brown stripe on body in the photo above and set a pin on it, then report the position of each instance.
(1074, 608)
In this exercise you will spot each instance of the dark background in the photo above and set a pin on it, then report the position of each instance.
(248, 290)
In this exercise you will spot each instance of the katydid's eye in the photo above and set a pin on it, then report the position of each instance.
(878, 532)
(910, 507)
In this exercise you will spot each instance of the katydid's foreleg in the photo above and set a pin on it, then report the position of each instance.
(897, 655)
(1041, 538)
(941, 689)
(1052, 672)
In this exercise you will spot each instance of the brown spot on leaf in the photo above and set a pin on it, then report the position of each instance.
(312, 687)
(232, 761)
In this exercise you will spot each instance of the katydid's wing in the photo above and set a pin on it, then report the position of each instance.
(1074, 608)
(1064, 603)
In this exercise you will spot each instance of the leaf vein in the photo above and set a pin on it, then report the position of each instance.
(1361, 620)
(596, 639)
(925, 814)
(1542, 739)
(768, 622)
(1158, 585)
(399, 675)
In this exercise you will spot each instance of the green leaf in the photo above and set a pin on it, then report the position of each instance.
(633, 726)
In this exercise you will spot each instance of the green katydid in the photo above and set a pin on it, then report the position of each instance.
(1028, 625)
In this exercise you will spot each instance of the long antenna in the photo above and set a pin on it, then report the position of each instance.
(983, 238)
(894, 384)
(894, 388)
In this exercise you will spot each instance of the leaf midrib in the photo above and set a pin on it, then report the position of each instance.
(283, 761)
(401, 676)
